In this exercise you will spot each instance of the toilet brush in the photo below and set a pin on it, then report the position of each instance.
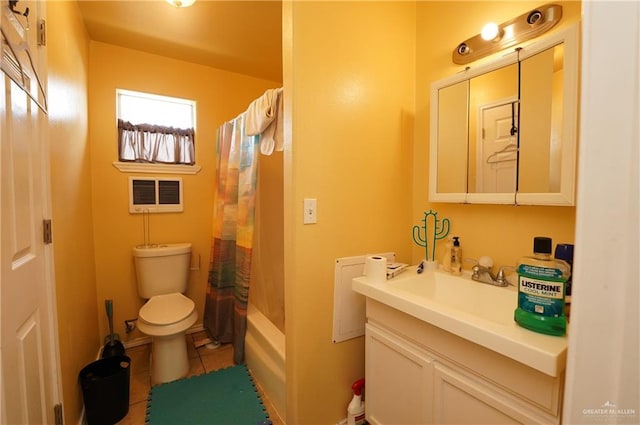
(112, 346)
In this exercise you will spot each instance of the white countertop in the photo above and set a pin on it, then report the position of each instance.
(475, 311)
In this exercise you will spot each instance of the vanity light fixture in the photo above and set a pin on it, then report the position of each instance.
(494, 38)
(181, 3)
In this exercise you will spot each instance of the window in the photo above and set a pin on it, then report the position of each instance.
(155, 129)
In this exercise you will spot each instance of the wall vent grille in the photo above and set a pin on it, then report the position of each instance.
(155, 195)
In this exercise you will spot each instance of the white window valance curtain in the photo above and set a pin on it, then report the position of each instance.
(156, 144)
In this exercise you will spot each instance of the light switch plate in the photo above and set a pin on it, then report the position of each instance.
(310, 211)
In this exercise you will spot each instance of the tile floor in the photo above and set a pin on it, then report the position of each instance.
(202, 360)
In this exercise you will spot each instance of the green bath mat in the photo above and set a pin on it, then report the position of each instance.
(224, 397)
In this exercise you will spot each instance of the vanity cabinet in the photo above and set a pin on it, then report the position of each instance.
(417, 373)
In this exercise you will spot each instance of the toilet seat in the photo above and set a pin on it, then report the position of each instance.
(165, 315)
(166, 309)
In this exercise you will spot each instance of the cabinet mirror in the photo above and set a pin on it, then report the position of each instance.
(505, 132)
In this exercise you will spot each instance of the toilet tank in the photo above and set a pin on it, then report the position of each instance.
(162, 269)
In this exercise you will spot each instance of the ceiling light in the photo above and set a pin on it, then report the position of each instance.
(181, 3)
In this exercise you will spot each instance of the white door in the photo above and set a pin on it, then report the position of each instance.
(28, 370)
(498, 151)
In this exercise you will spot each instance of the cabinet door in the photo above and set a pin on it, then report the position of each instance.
(460, 398)
(399, 380)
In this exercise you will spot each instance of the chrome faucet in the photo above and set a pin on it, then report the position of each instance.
(485, 275)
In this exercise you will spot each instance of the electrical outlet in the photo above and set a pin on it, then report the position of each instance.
(130, 325)
(310, 211)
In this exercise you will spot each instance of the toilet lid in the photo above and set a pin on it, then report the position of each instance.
(166, 309)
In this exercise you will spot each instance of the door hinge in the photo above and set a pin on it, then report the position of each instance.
(57, 412)
(46, 231)
(42, 32)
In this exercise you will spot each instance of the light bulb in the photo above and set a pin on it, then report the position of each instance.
(490, 31)
(181, 3)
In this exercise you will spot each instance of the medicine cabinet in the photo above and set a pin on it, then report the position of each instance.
(506, 131)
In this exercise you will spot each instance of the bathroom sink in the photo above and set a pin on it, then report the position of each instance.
(476, 311)
(462, 294)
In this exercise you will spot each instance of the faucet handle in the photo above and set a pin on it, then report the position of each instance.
(475, 270)
(501, 279)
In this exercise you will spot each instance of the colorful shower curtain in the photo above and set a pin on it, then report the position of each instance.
(225, 315)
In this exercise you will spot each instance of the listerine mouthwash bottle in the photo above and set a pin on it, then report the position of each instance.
(541, 290)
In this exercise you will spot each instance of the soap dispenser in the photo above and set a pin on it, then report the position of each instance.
(456, 256)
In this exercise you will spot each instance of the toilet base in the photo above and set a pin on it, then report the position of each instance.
(169, 358)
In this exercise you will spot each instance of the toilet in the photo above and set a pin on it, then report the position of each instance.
(162, 273)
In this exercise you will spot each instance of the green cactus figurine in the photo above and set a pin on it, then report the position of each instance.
(423, 237)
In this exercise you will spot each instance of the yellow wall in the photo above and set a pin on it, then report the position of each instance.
(68, 53)
(349, 69)
(220, 96)
(503, 232)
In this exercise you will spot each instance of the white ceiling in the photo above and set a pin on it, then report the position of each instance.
(234, 35)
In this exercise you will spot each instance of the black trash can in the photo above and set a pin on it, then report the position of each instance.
(105, 390)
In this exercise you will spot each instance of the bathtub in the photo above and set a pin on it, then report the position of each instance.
(265, 357)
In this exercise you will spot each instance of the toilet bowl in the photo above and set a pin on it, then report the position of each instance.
(162, 273)
(165, 318)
